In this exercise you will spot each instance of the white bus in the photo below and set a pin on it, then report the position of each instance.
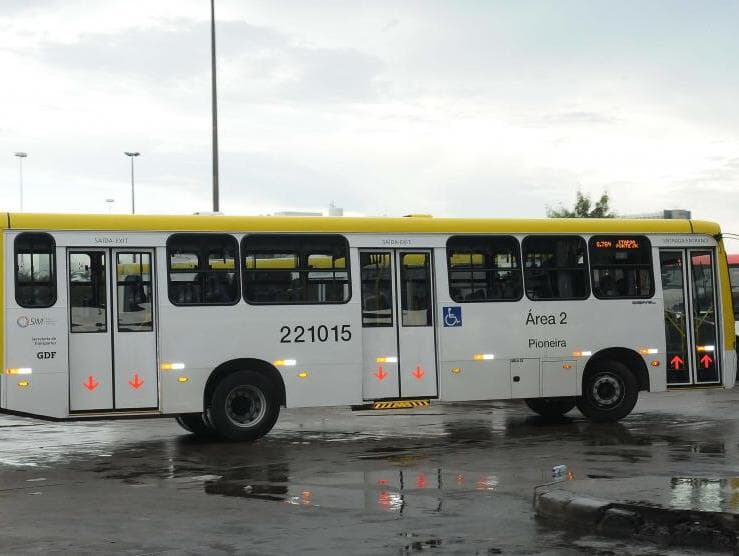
(221, 321)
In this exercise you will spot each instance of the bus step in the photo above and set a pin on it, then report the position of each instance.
(393, 404)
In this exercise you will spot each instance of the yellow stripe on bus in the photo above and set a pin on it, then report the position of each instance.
(345, 224)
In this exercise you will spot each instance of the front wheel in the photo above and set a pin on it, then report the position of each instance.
(551, 408)
(244, 406)
(609, 392)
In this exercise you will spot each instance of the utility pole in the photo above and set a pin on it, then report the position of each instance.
(21, 156)
(215, 103)
(132, 155)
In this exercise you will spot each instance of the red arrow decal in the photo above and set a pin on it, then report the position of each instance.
(418, 373)
(90, 384)
(381, 374)
(676, 362)
(706, 360)
(136, 382)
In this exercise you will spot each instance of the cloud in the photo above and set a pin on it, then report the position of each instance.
(574, 117)
(255, 63)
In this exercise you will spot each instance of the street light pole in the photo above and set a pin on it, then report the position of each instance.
(132, 155)
(214, 102)
(21, 156)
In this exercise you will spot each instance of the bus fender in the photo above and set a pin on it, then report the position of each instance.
(629, 357)
(244, 364)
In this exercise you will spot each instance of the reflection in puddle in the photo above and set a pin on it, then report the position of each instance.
(395, 491)
(709, 495)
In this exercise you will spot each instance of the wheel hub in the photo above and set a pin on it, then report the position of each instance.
(607, 391)
(245, 406)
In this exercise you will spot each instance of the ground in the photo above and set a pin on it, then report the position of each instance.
(450, 479)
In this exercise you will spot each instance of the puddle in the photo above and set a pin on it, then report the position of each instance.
(393, 490)
(708, 495)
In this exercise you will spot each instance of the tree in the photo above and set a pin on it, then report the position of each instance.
(584, 208)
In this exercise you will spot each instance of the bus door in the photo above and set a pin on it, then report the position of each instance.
(398, 332)
(112, 335)
(688, 285)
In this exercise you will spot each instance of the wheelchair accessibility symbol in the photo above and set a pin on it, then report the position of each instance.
(453, 316)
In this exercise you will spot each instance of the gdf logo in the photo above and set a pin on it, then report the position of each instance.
(46, 354)
(23, 321)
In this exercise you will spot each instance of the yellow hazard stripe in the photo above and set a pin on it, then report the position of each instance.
(401, 404)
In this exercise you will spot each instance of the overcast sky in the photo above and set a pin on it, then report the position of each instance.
(453, 108)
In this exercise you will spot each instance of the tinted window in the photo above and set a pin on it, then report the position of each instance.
(35, 270)
(295, 269)
(377, 289)
(484, 268)
(415, 289)
(202, 269)
(133, 281)
(555, 267)
(88, 300)
(621, 267)
(734, 276)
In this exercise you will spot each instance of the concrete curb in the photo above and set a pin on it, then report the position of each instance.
(713, 530)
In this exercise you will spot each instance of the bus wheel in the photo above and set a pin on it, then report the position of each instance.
(551, 408)
(196, 424)
(244, 406)
(609, 392)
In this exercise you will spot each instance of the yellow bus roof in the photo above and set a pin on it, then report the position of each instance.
(347, 224)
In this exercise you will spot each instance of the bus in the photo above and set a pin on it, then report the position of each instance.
(220, 321)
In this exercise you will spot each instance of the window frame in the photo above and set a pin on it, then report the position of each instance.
(585, 267)
(200, 237)
(53, 279)
(649, 265)
(347, 267)
(517, 252)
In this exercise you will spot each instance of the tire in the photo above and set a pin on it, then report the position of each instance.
(551, 408)
(609, 392)
(244, 406)
(196, 424)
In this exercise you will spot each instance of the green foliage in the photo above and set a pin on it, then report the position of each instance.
(584, 208)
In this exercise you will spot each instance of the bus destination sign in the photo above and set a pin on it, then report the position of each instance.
(617, 243)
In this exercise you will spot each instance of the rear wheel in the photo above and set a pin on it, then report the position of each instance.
(551, 408)
(244, 406)
(609, 392)
(196, 424)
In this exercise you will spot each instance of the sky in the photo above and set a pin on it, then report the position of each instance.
(455, 108)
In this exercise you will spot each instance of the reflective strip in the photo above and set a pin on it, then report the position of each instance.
(401, 404)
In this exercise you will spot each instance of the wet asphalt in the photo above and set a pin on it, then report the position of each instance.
(449, 479)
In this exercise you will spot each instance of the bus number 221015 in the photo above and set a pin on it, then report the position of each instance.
(321, 333)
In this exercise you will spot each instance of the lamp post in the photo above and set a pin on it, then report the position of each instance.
(21, 156)
(214, 103)
(132, 155)
(109, 203)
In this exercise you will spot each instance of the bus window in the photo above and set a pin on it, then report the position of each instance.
(555, 267)
(202, 269)
(621, 267)
(734, 279)
(484, 268)
(133, 279)
(296, 269)
(415, 289)
(377, 289)
(87, 296)
(35, 270)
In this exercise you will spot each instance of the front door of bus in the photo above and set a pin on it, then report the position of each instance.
(398, 333)
(689, 293)
(112, 332)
